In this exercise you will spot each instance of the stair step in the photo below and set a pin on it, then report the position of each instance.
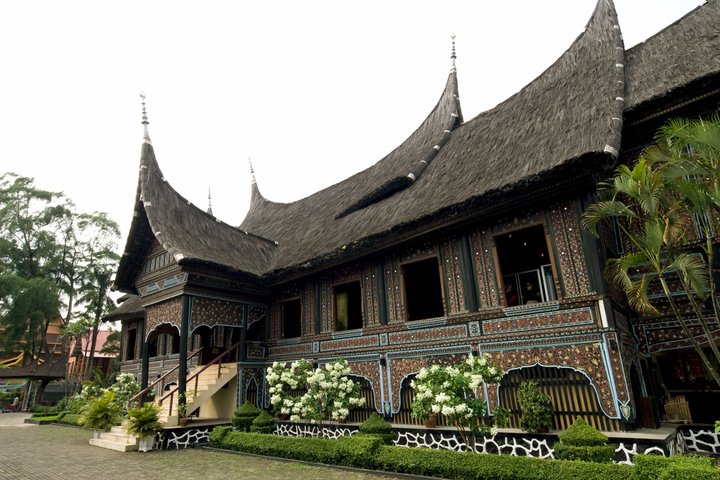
(118, 438)
(120, 447)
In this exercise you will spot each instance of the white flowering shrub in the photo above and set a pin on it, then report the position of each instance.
(453, 392)
(313, 395)
(124, 388)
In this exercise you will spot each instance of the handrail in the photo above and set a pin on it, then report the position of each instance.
(138, 398)
(217, 360)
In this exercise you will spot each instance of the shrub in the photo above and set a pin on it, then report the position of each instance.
(367, 452)
(218, 435)
(535, 408)
(244, 416)
(583, 442)
(378, 427)
(71, 419)
(652, 467)
(263, 423)
(101, 413)
(582, 434)
(143, 421)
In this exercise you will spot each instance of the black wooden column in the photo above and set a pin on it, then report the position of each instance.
(184, 334)
(468, 274)
(243, 335)
(381, 294)
(144, 354)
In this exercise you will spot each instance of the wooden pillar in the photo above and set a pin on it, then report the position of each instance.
(144, 354)
(243, 335)
(381, 294)
(468, 274)
(184, 334)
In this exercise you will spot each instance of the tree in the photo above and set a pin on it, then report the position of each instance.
(674, 180)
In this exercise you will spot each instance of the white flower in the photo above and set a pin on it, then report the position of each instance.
(493, 430)
(435, 408)
(448, 410)
(442, 397)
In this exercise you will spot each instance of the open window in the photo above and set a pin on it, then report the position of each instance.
(423, 291)
(291, 318)
(130, 348)
(525, 266)
(348, 307)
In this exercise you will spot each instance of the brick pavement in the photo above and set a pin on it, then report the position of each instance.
(29, 452)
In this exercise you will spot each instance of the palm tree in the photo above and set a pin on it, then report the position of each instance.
(671, 181)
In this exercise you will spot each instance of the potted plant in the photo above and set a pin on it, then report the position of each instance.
(535, 408)
(143, 422)
(101, 413)
(182, 410)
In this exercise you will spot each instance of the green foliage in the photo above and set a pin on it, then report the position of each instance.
(102, 412)
(244, 415)
(717, 426)
(367, 452)
(143, 421)
(124, 388)
(582, 434)
(74, 419)
(329, 392)
(378, 427)
(676, 467)
(263, 423)
(218, 435)
(535, 408)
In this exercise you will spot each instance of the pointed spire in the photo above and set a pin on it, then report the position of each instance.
(452, 55)
(252, 172)
(209, 210)
(146, 135)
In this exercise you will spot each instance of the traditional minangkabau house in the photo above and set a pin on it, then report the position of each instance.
(465, 238)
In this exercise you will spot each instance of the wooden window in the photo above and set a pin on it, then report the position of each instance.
(348, 307)
(131, 342)
(291, 318)
(525, 266)
(423, 290)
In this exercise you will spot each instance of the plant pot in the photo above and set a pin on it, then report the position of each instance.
(182, 421)
(283, 416)
(97, 433)
(431, 421)
(146, 443)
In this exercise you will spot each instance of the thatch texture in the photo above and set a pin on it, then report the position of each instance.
(685, 51)
(191, 235)
(568, 112)
(130, 307)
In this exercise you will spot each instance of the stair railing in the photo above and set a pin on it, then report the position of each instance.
(196, 376)
(137, 399)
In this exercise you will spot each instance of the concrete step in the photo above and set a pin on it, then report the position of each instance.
(111, 445)
(118, 438)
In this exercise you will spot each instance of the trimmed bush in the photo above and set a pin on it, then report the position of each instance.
(244, 416)
(263, 423)
(367, 452)
(377, 427)
(583, 442)
(71, 419)
(652, 467)
(218, 434)
(582, 434)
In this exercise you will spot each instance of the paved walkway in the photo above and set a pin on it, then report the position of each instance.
(29, 452)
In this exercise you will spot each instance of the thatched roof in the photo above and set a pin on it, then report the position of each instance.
(686, 51)
(547, 139)
(130, 307)
(192, 236)
(568, 113)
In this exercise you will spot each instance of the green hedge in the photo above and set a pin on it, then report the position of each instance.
(368, 452)
(597, 453)
(378, 427)
(243, 417)
(263, 423)
(69, 419)
(676, 467)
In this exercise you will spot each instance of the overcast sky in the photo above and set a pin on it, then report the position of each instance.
(312, 91)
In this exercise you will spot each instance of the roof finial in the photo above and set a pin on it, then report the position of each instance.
(252, 172)
(452, 55)
(146, 134)
(209, 210)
